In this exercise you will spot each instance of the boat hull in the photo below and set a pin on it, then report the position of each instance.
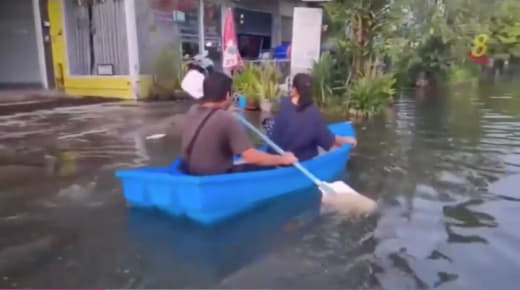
(211, 199)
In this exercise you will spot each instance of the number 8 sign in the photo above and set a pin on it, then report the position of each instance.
(480, 45)
(478, 52)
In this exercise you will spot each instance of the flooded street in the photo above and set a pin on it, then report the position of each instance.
(444, 167)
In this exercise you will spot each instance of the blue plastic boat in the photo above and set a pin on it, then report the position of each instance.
(210, 199)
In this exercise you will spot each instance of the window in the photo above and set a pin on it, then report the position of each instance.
(161, 23)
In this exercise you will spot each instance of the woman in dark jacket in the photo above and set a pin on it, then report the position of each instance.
(299, 126)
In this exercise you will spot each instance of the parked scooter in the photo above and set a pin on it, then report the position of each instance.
(199, 67)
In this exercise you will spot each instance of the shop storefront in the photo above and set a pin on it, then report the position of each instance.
(261, 26)
(194, 23)
(108, 47)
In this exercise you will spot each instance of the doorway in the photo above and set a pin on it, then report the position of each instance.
(47, 44)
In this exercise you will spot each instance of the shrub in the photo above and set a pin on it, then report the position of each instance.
(258, 81)
(463, 73)
(331, 76)
(369, 95)
(168, 72)
(244, 81)
(322, 79)
(504, 43)
(267, 86)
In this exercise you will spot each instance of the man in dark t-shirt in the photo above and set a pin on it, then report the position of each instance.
(212, 136)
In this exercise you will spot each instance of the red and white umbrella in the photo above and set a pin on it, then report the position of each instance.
(230, 55)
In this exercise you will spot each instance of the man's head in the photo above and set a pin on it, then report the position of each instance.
(217, 89)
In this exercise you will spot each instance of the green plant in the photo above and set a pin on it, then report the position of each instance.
(244, 82)
(504, 42)
(322, 79)
(433, 36)
(267, 86)
(370, 94)
(431, 57)
(168, 71)
(463, 73)
(258, 81)
(363, 21)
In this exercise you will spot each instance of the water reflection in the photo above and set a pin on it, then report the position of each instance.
(444, 166)
(457, 159)
(207, 254)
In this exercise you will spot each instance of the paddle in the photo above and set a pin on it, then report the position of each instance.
(336, 193)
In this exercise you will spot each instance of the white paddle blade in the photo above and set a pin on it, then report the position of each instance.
(340, 187)
(347, 201)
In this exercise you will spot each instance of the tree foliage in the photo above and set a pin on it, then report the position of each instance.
(410, 38)
(505, 31)
(362, 22)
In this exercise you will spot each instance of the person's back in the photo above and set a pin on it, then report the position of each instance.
(299, 126)
(218, 141)
(212, 136)
(301, 131)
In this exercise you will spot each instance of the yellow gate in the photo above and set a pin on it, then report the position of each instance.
(90, 85)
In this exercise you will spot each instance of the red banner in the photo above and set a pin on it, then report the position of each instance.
(230, 55)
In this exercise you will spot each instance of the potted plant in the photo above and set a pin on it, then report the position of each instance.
(245, 84)
(267, 86)
(259, 84)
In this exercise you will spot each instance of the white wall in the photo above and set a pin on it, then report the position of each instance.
(306, 39)
(18, 50)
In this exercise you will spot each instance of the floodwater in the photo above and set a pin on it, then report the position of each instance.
(444, 166)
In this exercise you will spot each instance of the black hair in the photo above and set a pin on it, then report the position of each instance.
(216, 87)
(303, 84)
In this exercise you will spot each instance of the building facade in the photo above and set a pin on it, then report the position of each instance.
(22, 52)
(107, 47)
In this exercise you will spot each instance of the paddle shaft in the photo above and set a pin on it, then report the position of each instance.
(278, 149)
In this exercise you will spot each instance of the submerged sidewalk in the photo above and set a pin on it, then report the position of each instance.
(18, 101)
